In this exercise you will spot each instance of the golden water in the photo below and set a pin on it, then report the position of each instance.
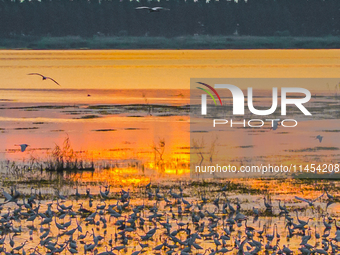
(42, 114)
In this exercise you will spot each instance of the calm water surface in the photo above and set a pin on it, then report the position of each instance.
(95, 85)
(119, 108)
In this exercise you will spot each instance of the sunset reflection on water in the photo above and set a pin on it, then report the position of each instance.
(126, 112)
(107, 105)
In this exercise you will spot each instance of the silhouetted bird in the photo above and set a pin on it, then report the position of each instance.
(22, 146)
(319, 137)
(44, 77)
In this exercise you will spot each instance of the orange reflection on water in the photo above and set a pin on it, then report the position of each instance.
(131, 135)
(160, 69)
(114, 177)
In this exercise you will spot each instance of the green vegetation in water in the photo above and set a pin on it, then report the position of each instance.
(91, 116)
(105, 130)
(315, 149)
(40, 107)
(28, 128)
(179, 42)
(72, 112)
(230, 186)
(64, 158)
(7, 100)
(31, 182)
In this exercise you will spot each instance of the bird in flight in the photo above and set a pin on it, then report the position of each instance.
(45, 77)
(152, 9)
(310, 202)
(22, 146)
(319, 137)
(275, 124)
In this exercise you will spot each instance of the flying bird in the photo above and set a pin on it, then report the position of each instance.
(319, 137)
(310, 202)
(275, 124)
(22, 146)
(152, 9)
(45, 77)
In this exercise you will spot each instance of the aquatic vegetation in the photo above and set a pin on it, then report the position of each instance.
(245, 146)
(27, 128)
(105, 130)
(155, 174)
(90, 116)
(65, 159)
(158, 150)
(319, 148)
(57, 130)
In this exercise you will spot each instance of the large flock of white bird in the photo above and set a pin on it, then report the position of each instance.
(156, 220)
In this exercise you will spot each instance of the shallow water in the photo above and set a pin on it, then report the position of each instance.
(191, 193)
(86, 107)
(118, 107)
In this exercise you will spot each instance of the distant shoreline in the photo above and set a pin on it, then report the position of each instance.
(201, 42)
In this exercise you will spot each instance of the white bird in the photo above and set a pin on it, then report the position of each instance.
(152, 9)
(276, 123)
(44, 77)
(22, 146)
(319, 137)
(329, 195)
(310, 202)
(6, 195)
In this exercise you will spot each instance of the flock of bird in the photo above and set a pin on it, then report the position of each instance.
(156, 220)
(173, 224)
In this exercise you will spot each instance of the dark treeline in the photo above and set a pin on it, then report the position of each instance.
(186, 17)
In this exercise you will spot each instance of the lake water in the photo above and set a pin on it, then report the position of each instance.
(89, 108)
(127, 111)
(159, 69)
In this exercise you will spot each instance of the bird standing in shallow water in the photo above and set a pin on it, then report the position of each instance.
(128, 216)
